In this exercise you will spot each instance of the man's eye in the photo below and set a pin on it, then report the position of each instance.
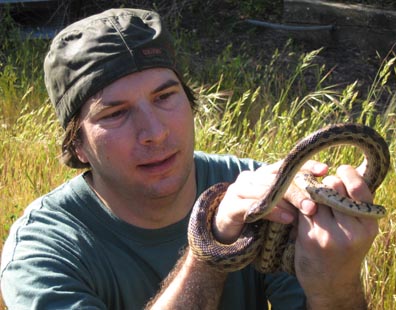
(115, 114)
(165, 96)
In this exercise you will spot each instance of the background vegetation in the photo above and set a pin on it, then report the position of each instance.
(249, 107)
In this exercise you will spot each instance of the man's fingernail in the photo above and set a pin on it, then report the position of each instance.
(287, 217)
(319, 167)
(308, 207)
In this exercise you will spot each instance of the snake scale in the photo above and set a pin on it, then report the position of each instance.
(266, 244)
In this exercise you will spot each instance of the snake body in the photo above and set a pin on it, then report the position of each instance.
(266, 243)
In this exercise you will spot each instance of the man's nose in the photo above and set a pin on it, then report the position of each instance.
(152, 128)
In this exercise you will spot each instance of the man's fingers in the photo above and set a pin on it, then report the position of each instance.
(273, 168)
(300, 198)
(356, 187)
(283, 213)
(335, 183)
(315, 167)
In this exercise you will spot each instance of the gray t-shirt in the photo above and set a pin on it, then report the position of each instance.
(68, 251)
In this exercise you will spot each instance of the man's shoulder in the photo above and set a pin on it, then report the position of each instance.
(54, 200)
(45, 224)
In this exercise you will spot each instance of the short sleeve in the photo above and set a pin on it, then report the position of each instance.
(42, 283)
(42, 268)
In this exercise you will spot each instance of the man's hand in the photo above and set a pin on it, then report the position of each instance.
(249, 188)
(331, 246)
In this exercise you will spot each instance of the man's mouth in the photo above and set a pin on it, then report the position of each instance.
(158, 165)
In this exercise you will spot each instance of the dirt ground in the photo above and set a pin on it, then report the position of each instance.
(347, 61)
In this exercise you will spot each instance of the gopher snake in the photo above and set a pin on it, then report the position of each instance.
(265, 243)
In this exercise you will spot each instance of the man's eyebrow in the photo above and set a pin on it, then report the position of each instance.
(165, 85)
(99, 105)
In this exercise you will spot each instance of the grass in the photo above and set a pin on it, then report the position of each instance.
(256, 119)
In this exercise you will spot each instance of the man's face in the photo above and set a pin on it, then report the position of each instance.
(138, 135)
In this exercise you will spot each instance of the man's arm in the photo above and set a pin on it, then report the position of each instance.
(191, 285)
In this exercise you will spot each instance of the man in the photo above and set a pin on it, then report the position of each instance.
(115, 237)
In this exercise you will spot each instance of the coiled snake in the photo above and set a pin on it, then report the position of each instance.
(266, 243)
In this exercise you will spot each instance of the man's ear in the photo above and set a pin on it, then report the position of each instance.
(80, 152)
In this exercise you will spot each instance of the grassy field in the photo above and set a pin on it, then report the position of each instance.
(237, 115)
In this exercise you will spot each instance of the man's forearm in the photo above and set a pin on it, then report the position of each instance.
(346, 298)
(191, 285)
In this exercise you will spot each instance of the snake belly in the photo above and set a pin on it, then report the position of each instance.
(266, 243)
